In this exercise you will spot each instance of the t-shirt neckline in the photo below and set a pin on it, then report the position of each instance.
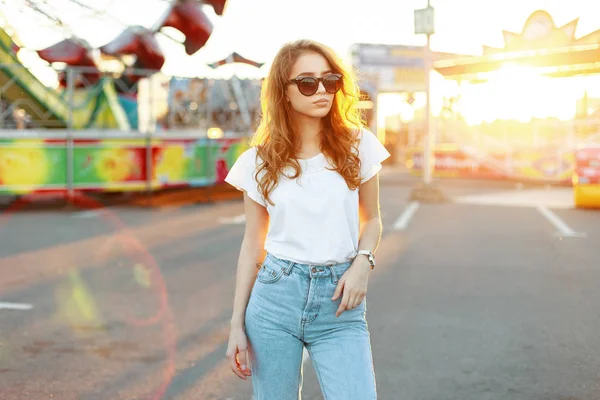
(311, 158)
(313, 164)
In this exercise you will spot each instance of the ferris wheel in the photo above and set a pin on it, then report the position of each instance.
(108, 50)
(136, 47)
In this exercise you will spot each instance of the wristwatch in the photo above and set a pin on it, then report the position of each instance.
(370, 256)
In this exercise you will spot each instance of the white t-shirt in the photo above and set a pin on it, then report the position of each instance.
(315, 219)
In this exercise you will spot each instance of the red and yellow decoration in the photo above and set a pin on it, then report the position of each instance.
(33, 165)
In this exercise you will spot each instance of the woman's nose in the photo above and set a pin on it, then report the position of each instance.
(321, 88)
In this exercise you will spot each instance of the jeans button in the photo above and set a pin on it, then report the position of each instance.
(314, 270)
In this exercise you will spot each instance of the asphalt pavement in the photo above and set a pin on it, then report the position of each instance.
(490, 296)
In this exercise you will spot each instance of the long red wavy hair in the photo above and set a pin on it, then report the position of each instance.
(275, 139)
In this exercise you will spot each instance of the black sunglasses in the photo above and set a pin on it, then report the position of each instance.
(308, 85)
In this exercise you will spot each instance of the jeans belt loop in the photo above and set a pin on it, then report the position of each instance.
(288, 268)
(334, 277)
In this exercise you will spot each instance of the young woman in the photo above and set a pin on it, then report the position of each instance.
(311, 198)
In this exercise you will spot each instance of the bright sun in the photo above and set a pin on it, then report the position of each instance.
(520, 93)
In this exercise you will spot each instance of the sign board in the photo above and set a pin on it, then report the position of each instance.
(424, 21)
(390, 68)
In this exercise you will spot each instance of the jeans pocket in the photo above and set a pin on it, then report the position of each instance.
(269, 273)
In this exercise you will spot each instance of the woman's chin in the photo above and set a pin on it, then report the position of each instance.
(317, 113)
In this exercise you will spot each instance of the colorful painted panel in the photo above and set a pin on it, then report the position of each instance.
(528, 165)
(35, 165)
(27, 165)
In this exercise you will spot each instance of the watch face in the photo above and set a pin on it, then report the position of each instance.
(370, 256)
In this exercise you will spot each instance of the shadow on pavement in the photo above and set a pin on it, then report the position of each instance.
(88, 201)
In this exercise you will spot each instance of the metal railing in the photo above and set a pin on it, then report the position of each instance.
(539, 150)
(145, 101)
(132, 130)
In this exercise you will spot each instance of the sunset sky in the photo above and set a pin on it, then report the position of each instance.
(257, 28)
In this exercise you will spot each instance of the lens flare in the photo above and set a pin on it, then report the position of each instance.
(75, 299)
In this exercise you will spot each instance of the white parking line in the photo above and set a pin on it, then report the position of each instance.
(240, 219)
(87, 214)
(555, 198)
(15, 306)
(563, 229)
(404, 219)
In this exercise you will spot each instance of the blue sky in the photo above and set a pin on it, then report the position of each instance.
(257, 28)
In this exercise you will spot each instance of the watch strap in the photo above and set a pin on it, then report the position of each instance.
(370, 257)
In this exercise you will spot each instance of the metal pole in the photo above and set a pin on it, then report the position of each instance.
(239, 97)
(429, 158)
(1, 112)
(70, 144)
(149, 134)
(210, 84)
(427, 192)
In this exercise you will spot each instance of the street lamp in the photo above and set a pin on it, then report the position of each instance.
(424, 24)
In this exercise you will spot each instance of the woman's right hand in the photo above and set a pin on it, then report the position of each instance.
(237, 352)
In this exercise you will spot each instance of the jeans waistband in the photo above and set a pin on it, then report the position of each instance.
(336, 270)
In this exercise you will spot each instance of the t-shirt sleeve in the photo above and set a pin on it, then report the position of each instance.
(241, 176)
(372, 153)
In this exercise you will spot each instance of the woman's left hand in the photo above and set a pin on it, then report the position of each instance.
(353, 285)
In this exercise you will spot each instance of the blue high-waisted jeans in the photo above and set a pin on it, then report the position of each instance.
(290, 307)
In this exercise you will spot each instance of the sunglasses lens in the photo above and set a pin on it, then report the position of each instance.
(308, 86)
(332, 83)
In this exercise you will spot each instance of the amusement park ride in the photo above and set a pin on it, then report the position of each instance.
(101, 127)
(98, 87)
(86, 133)
(184, 15)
